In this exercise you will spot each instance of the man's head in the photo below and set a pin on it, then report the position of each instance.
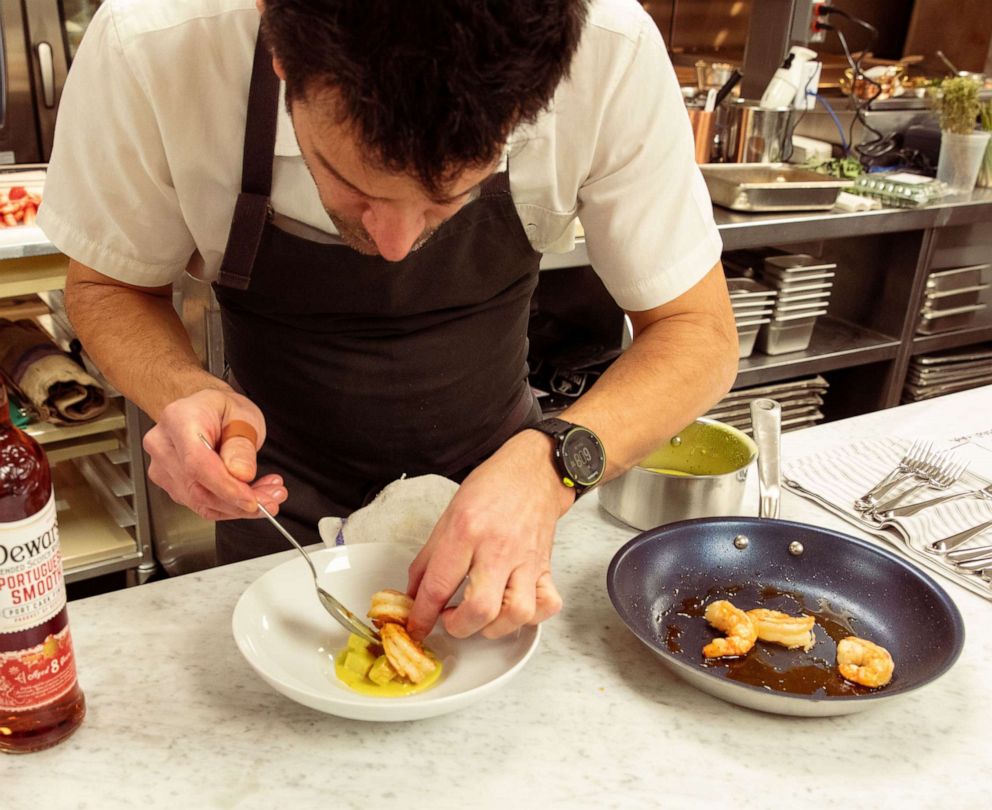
(402, 107)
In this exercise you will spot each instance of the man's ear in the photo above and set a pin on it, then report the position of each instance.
(277, 67)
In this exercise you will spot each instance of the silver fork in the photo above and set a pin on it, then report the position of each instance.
(939, 475)
(905, 469)
(913, 508)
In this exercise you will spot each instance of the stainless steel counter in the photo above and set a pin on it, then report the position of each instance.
(738, 230)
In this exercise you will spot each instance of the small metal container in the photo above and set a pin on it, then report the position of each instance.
(701, 472)
(745, 341)
(788, 334)
(933, 322)
(796, 264)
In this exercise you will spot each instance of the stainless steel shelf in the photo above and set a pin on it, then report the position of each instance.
(952, 340)
(835, 344)
(757, 230)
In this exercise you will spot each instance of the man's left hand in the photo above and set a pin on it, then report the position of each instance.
(497, 532)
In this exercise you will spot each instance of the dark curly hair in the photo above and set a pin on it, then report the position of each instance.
(432, 87)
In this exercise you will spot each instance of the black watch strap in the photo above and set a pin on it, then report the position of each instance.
(558, 429)
(552, 426)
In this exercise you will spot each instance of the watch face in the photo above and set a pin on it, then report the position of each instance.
(583, 456)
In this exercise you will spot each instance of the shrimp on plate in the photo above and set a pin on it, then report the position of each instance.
(864, 662)
(405, 655)
(781, 628)
(390, 606)
(736, 624)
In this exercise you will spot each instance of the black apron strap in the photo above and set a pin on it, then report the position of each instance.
(251, 211)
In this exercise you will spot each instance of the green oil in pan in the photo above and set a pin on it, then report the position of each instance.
(703, 448)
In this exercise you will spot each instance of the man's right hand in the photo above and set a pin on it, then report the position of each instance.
(217, 485)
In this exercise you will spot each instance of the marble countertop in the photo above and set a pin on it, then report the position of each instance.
(176, 718)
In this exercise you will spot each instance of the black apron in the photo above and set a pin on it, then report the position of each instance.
(366, 370)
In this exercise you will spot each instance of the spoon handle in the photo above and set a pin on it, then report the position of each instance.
(288, 536)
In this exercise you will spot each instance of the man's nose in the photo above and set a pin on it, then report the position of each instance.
(394, 230)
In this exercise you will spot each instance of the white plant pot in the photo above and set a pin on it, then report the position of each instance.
(960, 159)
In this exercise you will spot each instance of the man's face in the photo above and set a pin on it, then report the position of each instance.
(376, 213)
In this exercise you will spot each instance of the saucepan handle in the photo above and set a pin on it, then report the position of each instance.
(766, 422)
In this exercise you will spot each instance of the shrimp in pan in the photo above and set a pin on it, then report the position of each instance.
(405, 655)
(390, 606)
(781, 628)
(864, 662)
(738, 626)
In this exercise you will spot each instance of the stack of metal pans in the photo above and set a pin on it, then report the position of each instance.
(803, 283)
(753, 304)
(801, 401)
(931, 375)
(954, 297)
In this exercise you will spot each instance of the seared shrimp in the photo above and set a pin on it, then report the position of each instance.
(864, 662)
(390, 606)
(740, 630)
(781, 628)
(406, 655)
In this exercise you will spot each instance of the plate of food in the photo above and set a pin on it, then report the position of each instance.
(784, 617)
(291, 642)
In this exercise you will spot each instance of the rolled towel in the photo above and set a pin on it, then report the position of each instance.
(58, 388)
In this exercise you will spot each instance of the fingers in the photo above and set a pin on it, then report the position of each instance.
(238, 448)
(523, 602)
(434, 579)
(215, 486)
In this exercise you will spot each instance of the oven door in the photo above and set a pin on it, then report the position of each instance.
(55, 28)
(18, 130)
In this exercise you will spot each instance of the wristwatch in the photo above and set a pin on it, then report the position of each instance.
(578, 455)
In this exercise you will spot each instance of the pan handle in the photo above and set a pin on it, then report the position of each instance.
(766, 422)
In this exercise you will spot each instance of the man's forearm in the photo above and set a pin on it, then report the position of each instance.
(676, 369)
(136, 339)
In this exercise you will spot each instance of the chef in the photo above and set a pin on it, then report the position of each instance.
(369, 187)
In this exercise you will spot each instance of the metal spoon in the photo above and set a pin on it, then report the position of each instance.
(341, 614)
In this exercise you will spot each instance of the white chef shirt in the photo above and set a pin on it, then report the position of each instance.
(146, 165)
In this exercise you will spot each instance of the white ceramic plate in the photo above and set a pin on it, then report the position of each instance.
(290, 641)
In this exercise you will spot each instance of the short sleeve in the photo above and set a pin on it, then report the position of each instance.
(109, 201)
(644, 206)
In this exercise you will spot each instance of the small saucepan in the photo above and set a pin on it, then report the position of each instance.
(700, 472)
(661, 581)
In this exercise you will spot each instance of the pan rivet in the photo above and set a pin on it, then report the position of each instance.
(676, 441)
(796, 548)
(741, 541)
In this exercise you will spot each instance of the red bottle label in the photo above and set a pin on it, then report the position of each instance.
(32, 678)
(32, 593)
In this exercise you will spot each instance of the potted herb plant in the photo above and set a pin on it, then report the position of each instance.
(962, 147)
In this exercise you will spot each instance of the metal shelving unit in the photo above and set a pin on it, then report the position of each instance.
(97, 466)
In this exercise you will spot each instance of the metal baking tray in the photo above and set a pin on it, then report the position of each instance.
(958, 277)
(797, 307)
(747, 313)
(953, 356)
(935, 322)
(796, 263)
(770, 187)
(815, 384)
(749, 288)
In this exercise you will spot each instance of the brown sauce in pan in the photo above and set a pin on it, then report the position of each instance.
(767, 665)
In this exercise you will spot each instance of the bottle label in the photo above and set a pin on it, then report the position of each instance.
(32, 588)
(32, 678)
(32, 593)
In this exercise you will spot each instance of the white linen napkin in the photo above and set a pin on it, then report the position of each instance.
(839, 476)
(404, 512)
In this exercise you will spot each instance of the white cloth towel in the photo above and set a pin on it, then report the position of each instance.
(404, 512)
(841, 475)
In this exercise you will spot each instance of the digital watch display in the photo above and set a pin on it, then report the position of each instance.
(578, 454)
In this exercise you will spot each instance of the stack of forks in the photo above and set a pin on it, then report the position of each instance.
(937, 471)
